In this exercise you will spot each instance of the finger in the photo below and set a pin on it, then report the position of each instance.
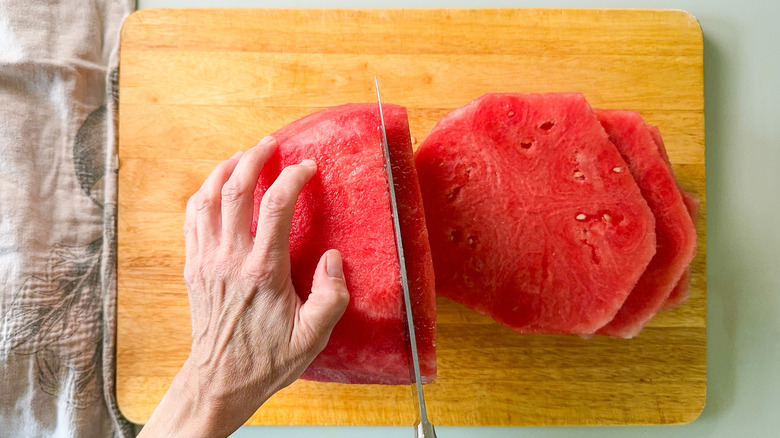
(275, 215)
(190, 235)
(326, 303)
(238, 193)
(208, 201)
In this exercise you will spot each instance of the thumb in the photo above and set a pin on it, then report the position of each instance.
(328, 299)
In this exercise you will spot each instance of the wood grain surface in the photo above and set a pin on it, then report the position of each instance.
(198, 85)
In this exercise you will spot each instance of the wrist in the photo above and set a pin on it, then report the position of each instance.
(187, 410)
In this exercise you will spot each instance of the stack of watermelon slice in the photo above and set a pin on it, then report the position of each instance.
(542, 213)
(551, 217)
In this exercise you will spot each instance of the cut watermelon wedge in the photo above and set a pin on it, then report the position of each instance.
(680, 292)
(534, 219)
(346, 206)
(675, 233)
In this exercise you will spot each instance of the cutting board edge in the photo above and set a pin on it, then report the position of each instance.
(694, 414)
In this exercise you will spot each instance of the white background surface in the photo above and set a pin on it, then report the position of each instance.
(742, 99)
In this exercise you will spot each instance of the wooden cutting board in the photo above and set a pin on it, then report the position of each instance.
(198, 85)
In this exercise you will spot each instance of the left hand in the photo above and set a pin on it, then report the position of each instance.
(252, 334)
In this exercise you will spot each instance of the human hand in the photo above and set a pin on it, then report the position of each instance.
(252, 334)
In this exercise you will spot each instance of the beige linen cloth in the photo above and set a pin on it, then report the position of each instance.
(58, 70)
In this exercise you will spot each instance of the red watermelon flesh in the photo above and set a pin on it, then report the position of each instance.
(680, 292)
(346, 206)
(533, 218)
(675, 234)
(655, 133)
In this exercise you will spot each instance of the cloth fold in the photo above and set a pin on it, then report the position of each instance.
(58, 100)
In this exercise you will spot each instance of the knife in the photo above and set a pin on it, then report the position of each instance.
(424, 428)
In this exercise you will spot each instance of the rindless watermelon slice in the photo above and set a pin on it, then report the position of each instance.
(675, 233)
(346, 206)
(681, 290)
(534, 218)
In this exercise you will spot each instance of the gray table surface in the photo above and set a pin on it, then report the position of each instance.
(742, 98)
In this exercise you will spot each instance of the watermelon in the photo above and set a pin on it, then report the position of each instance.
(346, 206)
(675, 233)
(680, 292)
(534, 219)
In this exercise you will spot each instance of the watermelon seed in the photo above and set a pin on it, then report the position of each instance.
(546, 126)
(454, 236)
(453, 193)
(579, 175)
(526, 144)
(414, 140)
(581, 217)
(611, 217)
(514, 309)
(472, 241)
(511, 113)
(617, 170)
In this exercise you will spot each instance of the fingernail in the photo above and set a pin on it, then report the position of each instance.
(333, 264)
(238, 154)
(309, 163)
(267, 140)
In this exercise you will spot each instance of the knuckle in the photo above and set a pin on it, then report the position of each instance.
(233, 191)
(258, 274)
(264, 275)
(190, 210)
(251, 267)
(220, 170)
(275, 201)
(190, 272)
(223, 265)
(283, 193)
(189, 225)
(191, 202)
(338, 298)
(204, 202)
(342, 296)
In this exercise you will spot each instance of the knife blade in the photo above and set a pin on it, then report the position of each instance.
(424, 428)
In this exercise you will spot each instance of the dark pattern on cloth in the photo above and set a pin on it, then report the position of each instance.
(58, 101)
(52, 315)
